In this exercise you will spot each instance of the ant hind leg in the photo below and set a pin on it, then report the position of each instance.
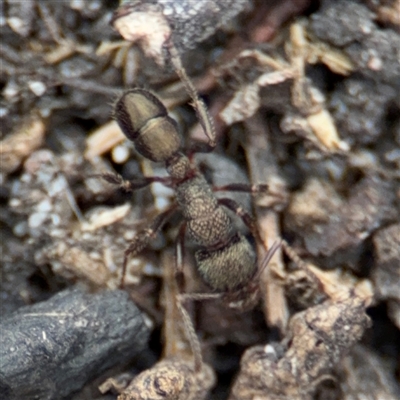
(189, 328)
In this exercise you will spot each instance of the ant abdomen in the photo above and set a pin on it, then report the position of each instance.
(145, 121)
(230, 267)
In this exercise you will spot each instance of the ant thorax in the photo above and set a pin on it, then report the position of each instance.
(225, 253)
(208, 224)
(178, 166)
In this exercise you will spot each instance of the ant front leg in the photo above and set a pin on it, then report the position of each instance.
(242, 187)
(134, 184)
(142, 239)
(276, 198)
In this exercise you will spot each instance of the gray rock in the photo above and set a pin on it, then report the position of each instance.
(51, 349)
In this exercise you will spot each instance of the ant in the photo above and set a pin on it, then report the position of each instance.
(226, 260)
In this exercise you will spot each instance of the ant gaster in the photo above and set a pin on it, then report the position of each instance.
(226, 260)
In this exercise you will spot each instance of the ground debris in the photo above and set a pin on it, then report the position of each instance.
(331, 225)
(386, 270)
(282, 85)
(46, 212)
(350, 26)
(387, 12)
(363, 376)
(184, 22)
(21, 143)
(359, 107)
(316, 340)
(342, 22)
(387, 263)
(169, 379)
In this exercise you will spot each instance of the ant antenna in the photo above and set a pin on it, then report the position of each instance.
(268, 257)
(293, 255)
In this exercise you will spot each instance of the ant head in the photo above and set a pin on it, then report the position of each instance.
(144, 120)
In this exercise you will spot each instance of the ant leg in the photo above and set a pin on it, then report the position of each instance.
(134, 184)
(291, 253)
(243, 214)
(249, 222)
(189, 328)
(324, 284)
(143, 237)
(270, 253)
(180, 248)
(198, 104)
(199, 147)
(241, 187)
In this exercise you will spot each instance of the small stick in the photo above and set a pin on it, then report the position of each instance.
(262, 164)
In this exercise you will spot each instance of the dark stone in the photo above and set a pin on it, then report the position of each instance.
(53, 348)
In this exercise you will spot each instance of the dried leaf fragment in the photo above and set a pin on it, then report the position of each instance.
(105, 217)
(103, 140)
(324, 128)
(21, 143)
(170, 380)
(72, 258)
(306, 113)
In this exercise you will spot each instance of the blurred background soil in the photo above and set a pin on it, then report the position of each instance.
(305, 97)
